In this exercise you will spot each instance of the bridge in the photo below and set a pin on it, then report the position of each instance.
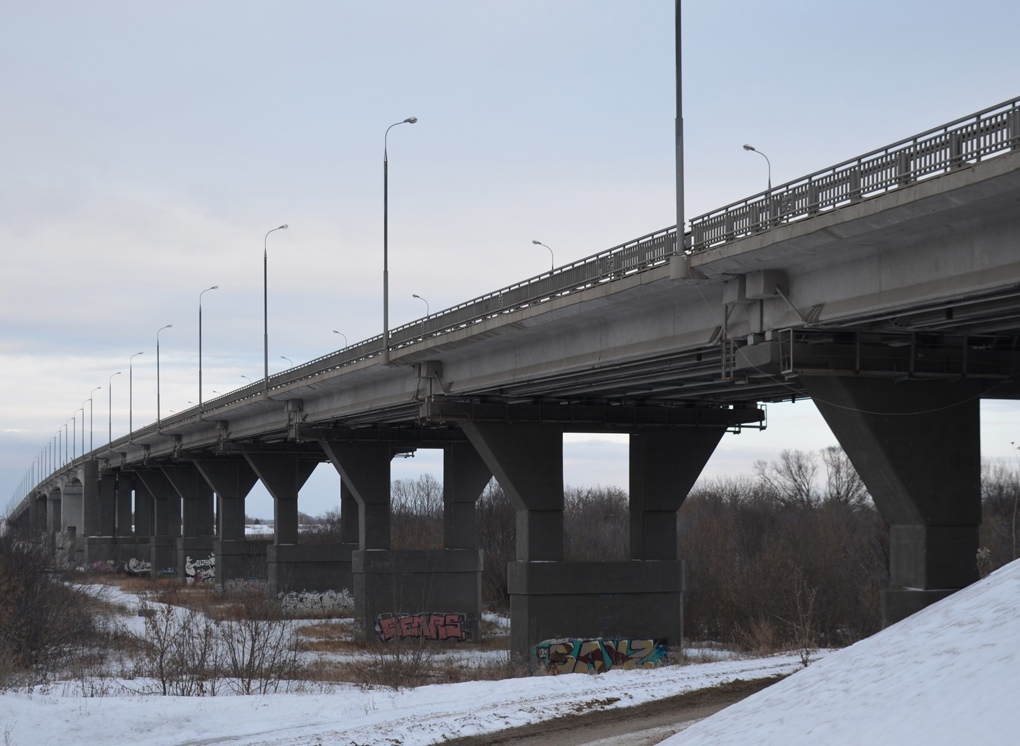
(886, 288)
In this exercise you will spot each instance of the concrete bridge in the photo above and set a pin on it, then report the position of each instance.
(886, 288)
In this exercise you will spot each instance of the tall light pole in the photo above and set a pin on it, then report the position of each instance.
(109, 423)
(386, 240)
(752, 149)
(246, 378)
(346, 345)
(552, 259)
(159, 419)
(265, 301)
(92, 409)
(65, 439)
(679, 127)
(291, 362)
(131, 394)
(214, 287)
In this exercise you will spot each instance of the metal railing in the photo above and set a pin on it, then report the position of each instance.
(951, 146)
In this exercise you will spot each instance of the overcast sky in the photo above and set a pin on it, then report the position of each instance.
(146, 148)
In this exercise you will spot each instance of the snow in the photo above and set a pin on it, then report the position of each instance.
(947, 675)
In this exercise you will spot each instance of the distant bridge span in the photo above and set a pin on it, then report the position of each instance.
(887, 288)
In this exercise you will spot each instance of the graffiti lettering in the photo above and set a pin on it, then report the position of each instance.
(108, 566)
(251, 585)
(312, 601)
(136, 566)
(197, 572)
(598, 655)
(427, 625)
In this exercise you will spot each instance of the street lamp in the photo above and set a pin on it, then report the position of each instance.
(265, 301)
(109, 423)
(552, 259)
(427, 312)
(131, 394)
(92, 408)
(214, 287)
(246, 378)
(159, 419)
(752, 149)
(284, 357)
(346, 345)
(386, 241)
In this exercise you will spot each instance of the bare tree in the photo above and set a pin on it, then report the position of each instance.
(842, 482)
(791, 479)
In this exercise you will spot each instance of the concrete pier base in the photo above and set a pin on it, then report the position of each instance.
(309, 567)
(630, 600)
(240, 560)
(395, 582)
(163, 555)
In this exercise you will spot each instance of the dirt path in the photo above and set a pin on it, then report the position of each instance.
(642, 725)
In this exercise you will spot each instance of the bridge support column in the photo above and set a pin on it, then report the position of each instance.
(99, 541)
(167, 511)
(71, 520)
(195, 544)
(289, 566)
(54, 521)
(916, 445)
(236, 558)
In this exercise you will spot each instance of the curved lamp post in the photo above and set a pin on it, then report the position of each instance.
(109, 423)
(246, 378)
(427, 312)
(284, 357)
(131, 394)
(214, 287)
(265, 301)
(92, 409)
(346, 345)
(552, 259)
(752, 149)
(159, 419)
(386, 240)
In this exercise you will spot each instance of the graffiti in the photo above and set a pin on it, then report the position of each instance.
(598, 655)
(251, 585)
(136, 566)
(107, 566)
(312, 601)
(427, 625)
(166, 572)
(197, 572)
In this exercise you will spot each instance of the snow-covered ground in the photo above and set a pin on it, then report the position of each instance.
(948, 675)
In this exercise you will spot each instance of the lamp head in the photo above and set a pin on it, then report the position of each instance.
(537, 243)
(411, 120)
(283, 227)
(748, 147)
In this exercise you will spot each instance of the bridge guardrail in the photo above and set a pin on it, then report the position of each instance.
(967, 140)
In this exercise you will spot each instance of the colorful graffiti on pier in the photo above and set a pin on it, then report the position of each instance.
(198, 572)
(427, 625)
(598, 655)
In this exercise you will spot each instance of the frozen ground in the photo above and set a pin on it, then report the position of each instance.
(948, 675)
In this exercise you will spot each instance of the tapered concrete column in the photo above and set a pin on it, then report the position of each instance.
(349, 515)
(107, 503)
(145, 509)
(465, 475)
(283, 474)
(53, 521)
(664, 465)
(125, 513)
(916, 445)
(90, 525)
(231, 480)
(527, 460)
(167, 511)
(196, 497)
(365, 470)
